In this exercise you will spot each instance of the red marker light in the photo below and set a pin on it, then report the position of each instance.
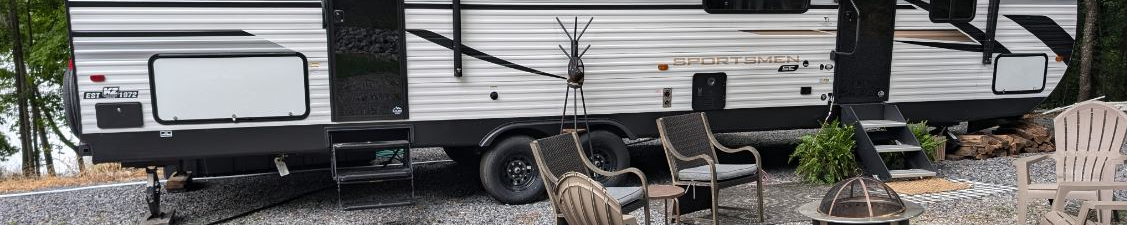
(70, 64)
(97, 78)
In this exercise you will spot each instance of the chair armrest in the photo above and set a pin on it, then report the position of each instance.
(1088, 206)
(631, 170)
(754, 152)
(1067, 187)
(1102, 205)
(725, 149)
(1091, 186)
(641, 176)
(677, 156)
(1022, 166)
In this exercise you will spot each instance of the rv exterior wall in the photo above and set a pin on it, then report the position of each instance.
(511, 50)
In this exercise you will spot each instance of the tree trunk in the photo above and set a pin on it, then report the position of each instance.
(63, 138)
(41, 132)
(21, 89)
(1085, 79)
(37, 161)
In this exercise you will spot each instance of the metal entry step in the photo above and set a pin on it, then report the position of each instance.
(881, 129)
(911, 173)
(882, 123)
(371, 174)
(393, 164)
(897, 148)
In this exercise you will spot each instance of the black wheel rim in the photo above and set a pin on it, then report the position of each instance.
(601, 160)
(518, 173)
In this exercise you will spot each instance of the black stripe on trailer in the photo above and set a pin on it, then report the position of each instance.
(967, 28)
(448, 43)
(198, 4)
(945, 45)
(1049, 32)
(551, 7)
(192, 33)
(585, 7)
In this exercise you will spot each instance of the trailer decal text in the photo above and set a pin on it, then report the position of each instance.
(110, 92)
(735, 60)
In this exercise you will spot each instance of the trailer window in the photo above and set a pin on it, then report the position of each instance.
(953, 11)
(756, 6)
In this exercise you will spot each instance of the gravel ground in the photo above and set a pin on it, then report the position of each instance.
(450, 194)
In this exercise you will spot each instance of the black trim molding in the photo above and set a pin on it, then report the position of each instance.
(136, 147)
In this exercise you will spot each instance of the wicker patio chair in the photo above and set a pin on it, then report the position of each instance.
(1088, 140)
(560, 154)
(690, 149)
(1058, 216)
(583, 201)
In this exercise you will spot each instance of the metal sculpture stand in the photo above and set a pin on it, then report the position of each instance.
(575, 75)
(574, 87)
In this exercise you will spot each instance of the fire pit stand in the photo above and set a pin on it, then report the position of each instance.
(861, 200)
(811, 210)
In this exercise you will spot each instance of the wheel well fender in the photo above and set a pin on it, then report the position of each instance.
(541, 129)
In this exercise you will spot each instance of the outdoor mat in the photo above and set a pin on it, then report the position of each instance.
(926, 186)
(779, 203)
(976, 190)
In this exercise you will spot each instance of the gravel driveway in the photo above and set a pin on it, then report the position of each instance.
(451, 194)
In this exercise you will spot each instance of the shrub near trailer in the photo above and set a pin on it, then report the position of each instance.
(927, 141)
(827, 156)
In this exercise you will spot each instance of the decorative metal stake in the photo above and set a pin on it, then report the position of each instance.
(575, 78)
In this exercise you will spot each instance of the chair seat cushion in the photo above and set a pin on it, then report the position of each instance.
(625, 195)
(723, 172)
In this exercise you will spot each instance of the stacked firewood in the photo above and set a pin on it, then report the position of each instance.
(1006, 140)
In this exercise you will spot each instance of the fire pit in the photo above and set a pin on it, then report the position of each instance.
(861, 200)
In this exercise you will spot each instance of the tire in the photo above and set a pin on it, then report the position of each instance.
(609, 153)
(70, 102)
(508, 172)
(464, 156)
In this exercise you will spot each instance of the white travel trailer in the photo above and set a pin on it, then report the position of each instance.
(226, 86)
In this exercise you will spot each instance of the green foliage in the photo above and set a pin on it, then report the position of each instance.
(1109, 65)
(896, 160)
(827, 156)
(927, 141)
(45, 40)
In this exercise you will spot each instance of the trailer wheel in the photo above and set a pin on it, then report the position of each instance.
(609, 153)
(70, 102)
(464, 156)
(508, 172)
